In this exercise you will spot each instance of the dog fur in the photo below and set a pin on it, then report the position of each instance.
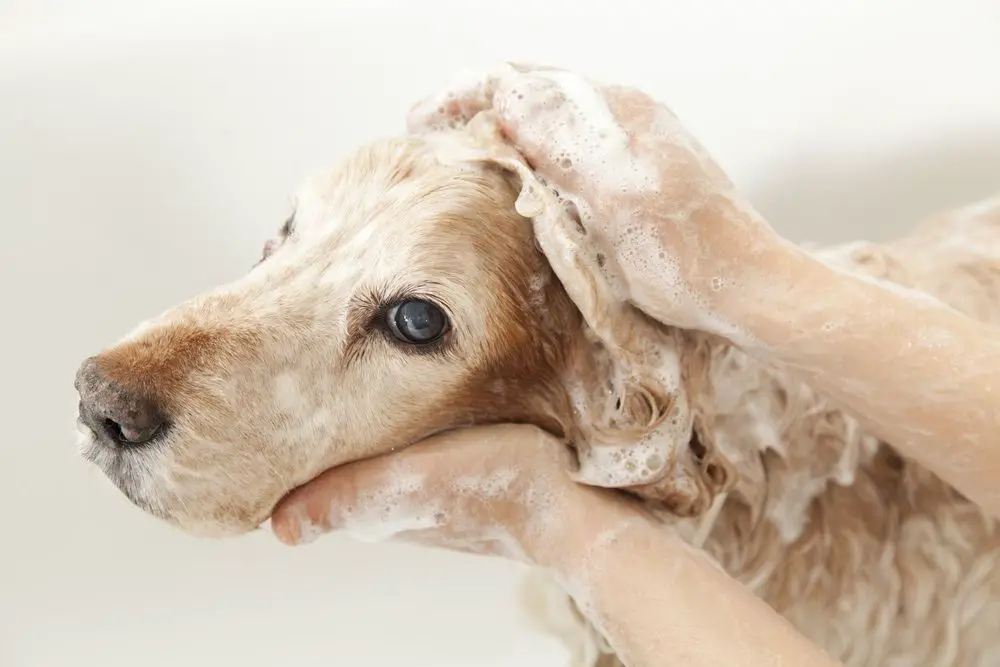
(288, 371)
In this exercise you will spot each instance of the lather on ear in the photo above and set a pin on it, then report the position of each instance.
(639, 389)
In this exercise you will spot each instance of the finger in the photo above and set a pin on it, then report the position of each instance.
(386, 489)
(532, 109)
(556, 119)
(662, 132)
(563, 124)
(324, 504)
(408, 489)
(306, 511)
(466, 95)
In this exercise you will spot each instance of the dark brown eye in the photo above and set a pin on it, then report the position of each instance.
(417, 322)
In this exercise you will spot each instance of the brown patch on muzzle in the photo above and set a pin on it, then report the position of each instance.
(130, 392)
(160, 361)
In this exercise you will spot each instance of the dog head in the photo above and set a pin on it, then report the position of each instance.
(404, 296)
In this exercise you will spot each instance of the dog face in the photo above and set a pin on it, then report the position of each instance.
(405, 296)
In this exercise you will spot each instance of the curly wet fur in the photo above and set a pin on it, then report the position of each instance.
(279, 375)
(868, 554)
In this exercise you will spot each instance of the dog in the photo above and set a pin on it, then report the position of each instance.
(407, 295)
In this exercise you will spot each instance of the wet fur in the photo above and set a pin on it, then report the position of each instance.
(868, 554)
(280, 375)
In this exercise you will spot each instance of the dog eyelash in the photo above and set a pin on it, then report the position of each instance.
(289, 227)
(286, 230)
(367, 316)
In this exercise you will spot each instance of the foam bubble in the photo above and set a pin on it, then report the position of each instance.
(621, 465)
(308, 531)
(390, 509)
(392, 522)
(586, 250)
(566, 112)
(495, 484)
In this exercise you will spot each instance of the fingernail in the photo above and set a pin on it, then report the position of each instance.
(295, 531)
(286, 532)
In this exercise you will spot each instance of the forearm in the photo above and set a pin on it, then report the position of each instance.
(919, 374)
(660, 602)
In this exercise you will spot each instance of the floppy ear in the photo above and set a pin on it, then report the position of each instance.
(644, 403)
(640, 391)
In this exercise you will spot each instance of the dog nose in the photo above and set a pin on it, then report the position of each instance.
(117, 415)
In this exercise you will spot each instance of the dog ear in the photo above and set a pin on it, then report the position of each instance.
(640, 391)
(643, 406)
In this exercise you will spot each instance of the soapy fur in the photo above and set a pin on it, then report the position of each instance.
(647, 174)
(814, 446)
(634, 431)
(280, 375)
(868, 554)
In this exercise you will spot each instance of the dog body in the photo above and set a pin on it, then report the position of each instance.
(406, 296)
(868, 554)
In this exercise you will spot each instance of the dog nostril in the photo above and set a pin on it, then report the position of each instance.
(130, 434)
(117, 415)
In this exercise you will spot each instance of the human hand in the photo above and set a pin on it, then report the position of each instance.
(503, 490)
(499, 490)
(671, 233)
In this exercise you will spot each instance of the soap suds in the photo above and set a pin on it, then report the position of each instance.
(587, 140)
(493, 485)
(385, 511)
(608, 454)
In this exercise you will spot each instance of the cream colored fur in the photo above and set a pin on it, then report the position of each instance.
(868, 554)
(281, 374)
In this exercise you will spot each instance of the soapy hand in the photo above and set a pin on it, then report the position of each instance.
(498, 490)
(672, 235)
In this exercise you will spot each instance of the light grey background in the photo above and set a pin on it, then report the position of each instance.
(148, 147)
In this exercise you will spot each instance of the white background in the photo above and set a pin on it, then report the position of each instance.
(147, 148)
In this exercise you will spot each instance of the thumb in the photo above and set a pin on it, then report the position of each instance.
(314, 508)
(468, 93)
(375, 499)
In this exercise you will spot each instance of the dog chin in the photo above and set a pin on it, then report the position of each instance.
(214, 530)
(86, 442)
(126, 471)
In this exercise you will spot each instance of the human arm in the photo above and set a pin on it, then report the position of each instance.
(920, 374)
(658, 601)
(503, 490)
(688, 250)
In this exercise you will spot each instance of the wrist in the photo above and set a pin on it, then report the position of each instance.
(775, 284)
(590, 520)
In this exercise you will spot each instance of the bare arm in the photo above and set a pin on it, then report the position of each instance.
(503, 490)
(690, 252)
(921, 375)
(660, 602)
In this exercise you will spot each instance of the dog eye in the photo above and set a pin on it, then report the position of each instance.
(417, 322)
